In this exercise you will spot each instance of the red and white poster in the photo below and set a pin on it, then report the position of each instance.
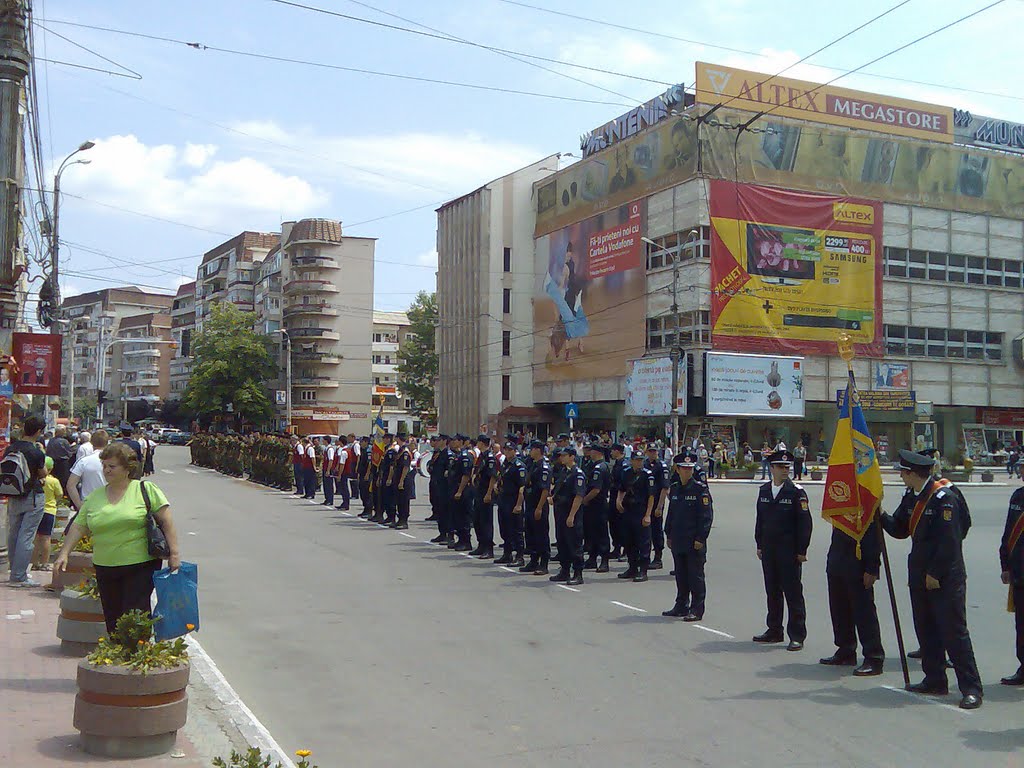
(38, 356)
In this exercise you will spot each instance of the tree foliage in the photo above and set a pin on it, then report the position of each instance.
(231, 362)
(417, 357)
(85, 409)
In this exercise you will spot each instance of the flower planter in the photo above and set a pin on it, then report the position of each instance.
(739, 474)
(60, 523)
(816, 475)
(957, 477)
(79, 567)
(80, 624)
(125, 714)
(987, 477)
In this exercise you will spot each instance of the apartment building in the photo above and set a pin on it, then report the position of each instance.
(92, 320)
(268, 299)
(228, 272)
(327, 313)
(141, 370)
(390, 331)
(183, 324)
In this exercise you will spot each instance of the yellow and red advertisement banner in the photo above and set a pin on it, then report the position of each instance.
(853, 485)
(790, 270)
(785, 97)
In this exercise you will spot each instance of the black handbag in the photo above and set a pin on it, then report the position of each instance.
(158, 546)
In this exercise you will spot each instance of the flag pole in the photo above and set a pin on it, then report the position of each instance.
(846, 352)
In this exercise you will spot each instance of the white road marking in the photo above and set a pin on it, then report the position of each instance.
(630, 607)
(714, 631)
(407, 535)
(167, 471)
(251, 728)
(928, 699)
(14, 616)
(505, 568)
(349, 514)
(571, 589)
(466, 554)
(192, 471)
(28, 613)
(192, 533)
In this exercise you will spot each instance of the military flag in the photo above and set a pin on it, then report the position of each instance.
(378, 448)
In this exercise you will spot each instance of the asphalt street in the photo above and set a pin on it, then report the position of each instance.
(373, 647)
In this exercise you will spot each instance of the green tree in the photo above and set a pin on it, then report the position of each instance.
(85, 409)
(417, 357)
(231, 362)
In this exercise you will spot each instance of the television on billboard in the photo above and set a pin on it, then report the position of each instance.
(649, 387)
(754, 385)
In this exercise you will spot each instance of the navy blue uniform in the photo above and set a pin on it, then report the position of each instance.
(783, 532)
(511, 477)
(661, 480)
(851, 605)
(595, 512)
(388, 499)
(638, 486)
(615, 519)
(538, 542)
(687, 524)
(569, 538)
(1011, 560)
(362, 473)
(940, 615)
(460, 465)
(403, 490)
(483, 511)
(436, 468)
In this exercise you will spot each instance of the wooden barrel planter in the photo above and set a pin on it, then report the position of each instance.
(79, 567)
(126, 714)
(80, 624)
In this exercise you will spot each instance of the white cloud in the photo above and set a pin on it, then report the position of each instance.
(181, 183)
(400, 163)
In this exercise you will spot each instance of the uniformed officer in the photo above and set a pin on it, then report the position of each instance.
(403, 481)
(635, 502)
(782, 532)
(661, 482)
(510, 491)
(389, 483)
(568, 495)
(484, 479)
(364, 472)
(619, 464)
(938, 579)
(536, 520)
(595, 510)
(687, 527)
(1011, 563)
(438, 469)
(460, 471)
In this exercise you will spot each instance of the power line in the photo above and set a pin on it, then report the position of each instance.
(459, 41)
(356, 70)
(137, 76)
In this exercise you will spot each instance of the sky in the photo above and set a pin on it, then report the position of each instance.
(209, 143)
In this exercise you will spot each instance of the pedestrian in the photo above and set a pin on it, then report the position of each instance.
(328, 471)
(568, 495)
(62, 453)
(1011, 562)
(25, 511)
(636, 500)
(148, 467)
(595, 510)
(799, 457)
(704, 460)
(388, 498)
(782, 532)
(52, 493)
(115, 518)
(687, 527)
(87, 474)
(717, 459)
(344, 463)
(84, 445)
(364, 471)
(616, 524)
(930, 517)
(766, 458)
(661, 481)
(510, 490)
(460, 472)
(536, 520)
(484, 479)
(437, 468)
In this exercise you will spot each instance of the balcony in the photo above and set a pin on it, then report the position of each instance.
(313, 333)
(144, 382)
(141, 352)
(323, 308)
(316, 262)
(310, 286)
(325, 358)
(324, 382)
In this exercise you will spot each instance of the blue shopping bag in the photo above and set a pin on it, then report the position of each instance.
(177, 601)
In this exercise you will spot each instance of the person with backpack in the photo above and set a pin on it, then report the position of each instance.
(22, 470)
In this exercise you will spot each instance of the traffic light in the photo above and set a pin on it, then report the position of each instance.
(101, 396)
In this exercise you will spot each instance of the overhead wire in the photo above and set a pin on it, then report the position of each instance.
(100, 56)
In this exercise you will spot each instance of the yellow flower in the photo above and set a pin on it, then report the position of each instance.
(303, 753)
(190, 627)
(142, 642)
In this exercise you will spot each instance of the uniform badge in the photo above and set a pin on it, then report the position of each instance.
(705, 499)
(804, 505)
(947, 514)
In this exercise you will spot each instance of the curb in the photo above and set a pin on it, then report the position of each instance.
(716, 481)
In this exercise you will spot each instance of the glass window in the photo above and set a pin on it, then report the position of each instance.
(506, 387)
(506, 343)
(506, 300)
(506, 259)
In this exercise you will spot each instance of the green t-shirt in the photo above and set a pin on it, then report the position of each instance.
(119, 530)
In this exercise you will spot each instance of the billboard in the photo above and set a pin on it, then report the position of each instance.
(988, 132)
(590, 298)
(883, 400)
(891, 375)
(783, 96)
(649, 387)
(754, 385)
(791, 271)
(38, 357)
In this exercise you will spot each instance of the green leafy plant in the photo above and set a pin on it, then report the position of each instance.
(131, 645)
(88, 588)
(254, 758)
(84, 545)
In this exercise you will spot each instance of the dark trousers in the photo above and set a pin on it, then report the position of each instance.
(1018, 618)
(378, 499)
(537, 532)
(327, 481)
(353, 487)
(595, 528)
(691, 589)
(402, 499)
(616, 526)
(637, 538)
(462, 516)
(389, 497)
(853, 614)
(309, 482)
(510, 525)
(657, 534)
(483, 521)
(782, 581)
(365, 497)
(569, 538)
(300, 480)
(346, 496)
(124, 588)
(940, 620)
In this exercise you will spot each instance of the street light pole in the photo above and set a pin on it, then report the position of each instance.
(55, 231)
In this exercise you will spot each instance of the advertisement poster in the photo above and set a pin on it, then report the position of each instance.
(5, 423)
(38, 356)
(894, 376)
(649, 387)
(711, 433)
(791, 271)
(925, 435)
(975, 441)
(883, 400)
(754, 385)
(590, 299)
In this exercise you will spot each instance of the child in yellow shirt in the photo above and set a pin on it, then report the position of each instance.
(52, 493)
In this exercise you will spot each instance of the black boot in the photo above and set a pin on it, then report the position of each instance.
(475, 552)
(542, 567)
(656, 564)
(463, 546)
(562, 575)
(517, 561)
(486, 553)
(642, 576)
(530, 567)
(616, 553)
(403, 525)
(602, 566)
(591, 564)
(505, 559)
(577, 577)
(439, 539)
(629, 573)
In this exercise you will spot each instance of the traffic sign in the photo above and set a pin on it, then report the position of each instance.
(572, 411)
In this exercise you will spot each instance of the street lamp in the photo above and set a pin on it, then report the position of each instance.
(103, 357)
(55, 232)
(287, 342)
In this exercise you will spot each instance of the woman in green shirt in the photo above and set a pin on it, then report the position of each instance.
(115, 517)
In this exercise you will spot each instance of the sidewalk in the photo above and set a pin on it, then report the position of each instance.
(37, 687)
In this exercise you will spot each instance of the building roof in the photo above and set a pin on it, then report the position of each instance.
(390, 318)
(154, 319)
(128, 294)
(316, 231)
(242, 243)
(187, 289)
(460, 198)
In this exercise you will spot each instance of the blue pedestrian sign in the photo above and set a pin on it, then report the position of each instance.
(572, 411)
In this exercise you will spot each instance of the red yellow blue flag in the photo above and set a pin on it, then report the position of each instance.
(378, 448)
(853, 485)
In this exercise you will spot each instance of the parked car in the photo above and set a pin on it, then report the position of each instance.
(177, 437)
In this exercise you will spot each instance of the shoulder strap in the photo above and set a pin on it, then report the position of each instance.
(145, 496)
